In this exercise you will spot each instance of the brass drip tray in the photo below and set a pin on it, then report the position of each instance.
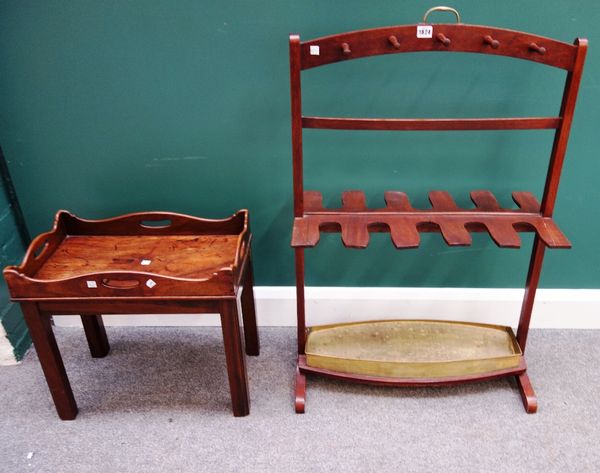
(412, 348)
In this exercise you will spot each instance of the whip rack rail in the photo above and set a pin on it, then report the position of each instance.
(426, 352)
(354, 220)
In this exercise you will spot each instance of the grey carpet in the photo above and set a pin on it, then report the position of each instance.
(160, 402)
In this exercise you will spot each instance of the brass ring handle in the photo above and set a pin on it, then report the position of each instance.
(441, 8)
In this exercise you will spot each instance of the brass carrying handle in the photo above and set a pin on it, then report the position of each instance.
(442, 8)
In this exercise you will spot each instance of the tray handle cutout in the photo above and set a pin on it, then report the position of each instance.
(120, 283)
(162, 223)
(40, 250)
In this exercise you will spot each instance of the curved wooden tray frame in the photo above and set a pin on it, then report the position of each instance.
(24, 285)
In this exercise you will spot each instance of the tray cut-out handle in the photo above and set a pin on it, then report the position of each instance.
(120, 283)
(40, 250)
(163, 223)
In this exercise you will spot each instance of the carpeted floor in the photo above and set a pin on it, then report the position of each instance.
(160, 402)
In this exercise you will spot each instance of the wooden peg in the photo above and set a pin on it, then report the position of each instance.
(494, 43)
(346, 49)
(394, 41)
(538, 49)
(443, 39)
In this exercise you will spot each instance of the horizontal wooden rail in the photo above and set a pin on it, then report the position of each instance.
(443, 38)
(354, 220)
(408, 124)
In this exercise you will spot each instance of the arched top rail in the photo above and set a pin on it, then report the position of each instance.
(438, 37)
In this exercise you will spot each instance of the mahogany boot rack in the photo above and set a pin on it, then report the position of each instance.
(404, 223)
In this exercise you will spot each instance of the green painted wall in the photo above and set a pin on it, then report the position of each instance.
(117, 106)
(11, 252)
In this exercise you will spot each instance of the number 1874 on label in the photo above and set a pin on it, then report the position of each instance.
(424, 31)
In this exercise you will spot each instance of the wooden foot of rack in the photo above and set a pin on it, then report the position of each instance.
(527, 393)
(300, 400)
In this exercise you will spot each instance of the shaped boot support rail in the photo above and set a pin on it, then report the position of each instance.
(404, 223)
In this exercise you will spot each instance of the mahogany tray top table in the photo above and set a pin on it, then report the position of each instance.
(142, 263)
(425, 352)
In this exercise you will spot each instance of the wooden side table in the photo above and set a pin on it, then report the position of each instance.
(143, 263)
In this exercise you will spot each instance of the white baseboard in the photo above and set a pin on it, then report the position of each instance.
(276, 306)
(7, 355)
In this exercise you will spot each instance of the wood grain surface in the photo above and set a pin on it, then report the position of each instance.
(354, 220)
(184, 256)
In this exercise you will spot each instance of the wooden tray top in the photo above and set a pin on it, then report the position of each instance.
(136, 255)
(184, 256)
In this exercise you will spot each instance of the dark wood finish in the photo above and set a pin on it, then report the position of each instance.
(561, 137)
(300, 304)
(123, 305)
(300, 392)
(249, 313)
(538, 49)
(394, 41)
(298, 183)
(520, 373)
(531, 285)
(527, 393)
(431, 124)
(442, 38)
(463, 38)
(196, 266)
(557, 157)
(236, 363)
(424, 124)
(122, 285)
(40, 330)
(153, 223)
(197, 259)
(296, 103)
(181, 256)
(409, 382)
(93, 326)
(354, 220)
(404, 223)
(494, 43)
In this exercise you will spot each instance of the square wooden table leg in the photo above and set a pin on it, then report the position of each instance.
(95, 333)
(40, 329)
(234, 355)
(249, 313)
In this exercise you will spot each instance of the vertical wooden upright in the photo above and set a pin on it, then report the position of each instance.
(557, 157)
(298, 185)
